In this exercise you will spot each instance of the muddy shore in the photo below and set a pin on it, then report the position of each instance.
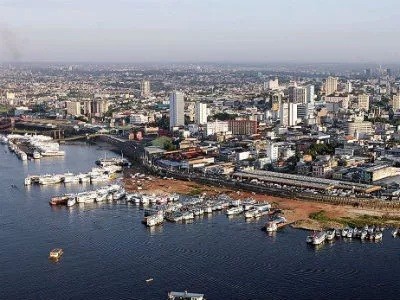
(299, 213)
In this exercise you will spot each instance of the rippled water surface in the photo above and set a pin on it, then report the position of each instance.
(108, 253)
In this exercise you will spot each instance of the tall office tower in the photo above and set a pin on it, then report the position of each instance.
(331, 85)
(300, 95)
(389, 72)
(201, 113)
(363, 102)
(349, 87)
(396, 102)
(176, 109)
(288, 114)
(145, 88)
(310, 94)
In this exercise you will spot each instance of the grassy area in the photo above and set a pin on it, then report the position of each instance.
(319, 216)
(358, 221)
(195, 191)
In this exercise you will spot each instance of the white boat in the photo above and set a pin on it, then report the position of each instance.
(234, 210)
(395, 232)
(345, 232)
(271, 226)
(208, 209)
(185, 296)
(155, 219)
(102, 195)
(71, 201)
(187, 215)
(36, 155)
(86, 197)
(330, 234)
(319, 238)
(50, 179)
(50, 152)
(28, 181)
(117, 195)
(252, 213)
(99, 178)
(70, 177)
(378, 235)
(364, 234)
(83, 178)
(198, 211)
(350, 233)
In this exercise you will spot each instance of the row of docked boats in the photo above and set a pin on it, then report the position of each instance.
(107, 193)
(190, 209)
(39, 146)
(366, 233)
(95, 175)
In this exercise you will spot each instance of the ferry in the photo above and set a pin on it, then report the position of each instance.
(56, 253)
(185, 296)
(50, 179)
(50, 152)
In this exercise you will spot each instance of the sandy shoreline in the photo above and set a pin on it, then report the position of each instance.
(297, 212)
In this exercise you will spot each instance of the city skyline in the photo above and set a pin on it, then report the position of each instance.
(207, 31)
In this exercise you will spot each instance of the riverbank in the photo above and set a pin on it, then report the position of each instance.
(302, 214)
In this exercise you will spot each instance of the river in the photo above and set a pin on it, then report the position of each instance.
(108, 253)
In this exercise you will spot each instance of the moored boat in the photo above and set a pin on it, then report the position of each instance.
(319, 238)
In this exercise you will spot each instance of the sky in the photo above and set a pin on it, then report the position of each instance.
(239, 31)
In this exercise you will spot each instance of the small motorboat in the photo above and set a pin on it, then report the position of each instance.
(56, 253)
(149, 280)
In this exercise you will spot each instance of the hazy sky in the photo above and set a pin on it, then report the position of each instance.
(200, 30)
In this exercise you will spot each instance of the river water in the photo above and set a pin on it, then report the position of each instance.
(109, 254)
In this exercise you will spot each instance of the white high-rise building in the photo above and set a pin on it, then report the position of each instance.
(310, 94)
(176, 109)
(145, 88)
(288, 114)
(349, 87)
(331, 85)
(201, 113)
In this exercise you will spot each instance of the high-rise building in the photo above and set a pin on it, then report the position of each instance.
(242, 127)
(201, 113)
(145, 88)
(396, 102)
(349, 87)
(176, 109)
(73, 108)
(288, 114)
(331, 85)
(297, 94)
(363, 102)
(310, 94)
